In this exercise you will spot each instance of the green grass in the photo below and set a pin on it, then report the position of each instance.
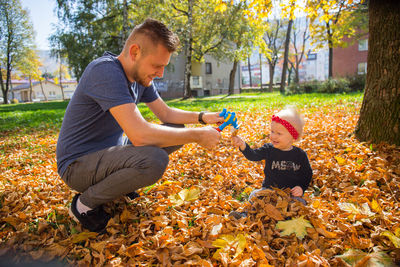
(42, 116)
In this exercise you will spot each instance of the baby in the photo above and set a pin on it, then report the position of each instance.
(286, 166)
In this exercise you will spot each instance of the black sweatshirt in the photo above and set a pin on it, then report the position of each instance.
(283, 169)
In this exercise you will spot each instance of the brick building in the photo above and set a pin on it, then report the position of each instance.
(351, 60)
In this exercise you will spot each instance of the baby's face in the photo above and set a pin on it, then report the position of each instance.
(280, 136)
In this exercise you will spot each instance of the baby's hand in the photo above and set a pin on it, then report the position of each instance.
(237, 141)
(297, 191)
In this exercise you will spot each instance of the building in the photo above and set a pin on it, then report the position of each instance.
(351, 60)
(314, 64)
(42, 90)
(210, 77)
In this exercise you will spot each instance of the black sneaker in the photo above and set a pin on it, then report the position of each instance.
(238, 215)
(94, 220)
(133, 195)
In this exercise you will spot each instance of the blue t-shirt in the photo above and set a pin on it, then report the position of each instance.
(88, 125)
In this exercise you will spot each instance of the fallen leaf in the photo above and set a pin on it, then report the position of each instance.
(297, 226)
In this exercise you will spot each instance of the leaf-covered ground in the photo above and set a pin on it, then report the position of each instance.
(352, 216)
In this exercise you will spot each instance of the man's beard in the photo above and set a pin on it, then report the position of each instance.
(138, 79)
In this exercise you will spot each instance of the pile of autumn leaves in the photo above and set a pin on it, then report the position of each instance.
(352, 217)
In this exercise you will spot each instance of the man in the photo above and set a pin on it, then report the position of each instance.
(93, 156)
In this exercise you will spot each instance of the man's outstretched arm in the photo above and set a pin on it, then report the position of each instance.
(142, 133)
(167, 114)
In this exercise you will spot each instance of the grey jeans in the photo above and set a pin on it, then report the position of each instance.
(255, 191)
(108, 174)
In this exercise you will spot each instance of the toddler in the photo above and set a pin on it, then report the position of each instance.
(286, 166)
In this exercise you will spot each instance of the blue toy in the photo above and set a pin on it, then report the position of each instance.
(229, 119)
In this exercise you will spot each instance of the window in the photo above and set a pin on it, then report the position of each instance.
(208, 68)
(195, 80)
(363, 45)
(312, 56)
(362, 68)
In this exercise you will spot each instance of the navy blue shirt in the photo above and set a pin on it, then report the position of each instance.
(283, 169)
(88, 125)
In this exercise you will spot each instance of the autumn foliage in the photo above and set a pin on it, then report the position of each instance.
(352, 217)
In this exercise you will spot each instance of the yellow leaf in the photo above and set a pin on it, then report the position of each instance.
(228, 242)
(297, 226)
(395, 240)
(397, 232)
(340, 160)
(221, 7)
(190, 195)
(83, 236)
(218, 178)
(185, 195)
(353, 209)
(316, 204)
(375, 206)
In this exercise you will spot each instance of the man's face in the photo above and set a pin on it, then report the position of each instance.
(150, 65)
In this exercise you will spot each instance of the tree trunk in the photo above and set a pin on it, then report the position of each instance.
(3, 89)
(62, 89)
(290, 75)
(380, 111)
(261, 72)
(188, 53)
(232, 75)
(30, 89)
(271, 76)
(285, 58)
(330, 45)
(125, 24)
(296, 75)
(41, 86)
(249, 67)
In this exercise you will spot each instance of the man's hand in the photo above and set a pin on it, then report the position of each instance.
(212, 117)
(238, 142)
(297, 191)
(208, 137)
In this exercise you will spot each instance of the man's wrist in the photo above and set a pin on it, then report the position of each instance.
(201, 116)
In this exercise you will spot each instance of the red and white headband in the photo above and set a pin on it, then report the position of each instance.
(287, 125)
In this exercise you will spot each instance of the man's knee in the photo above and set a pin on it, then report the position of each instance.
(155, 160)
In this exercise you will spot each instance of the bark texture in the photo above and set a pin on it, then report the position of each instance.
(380, 112)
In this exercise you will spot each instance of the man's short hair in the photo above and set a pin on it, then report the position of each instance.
(156, 32)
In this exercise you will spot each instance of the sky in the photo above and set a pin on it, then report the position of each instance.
(41, 13)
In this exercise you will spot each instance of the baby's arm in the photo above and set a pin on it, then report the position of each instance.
(238, 142)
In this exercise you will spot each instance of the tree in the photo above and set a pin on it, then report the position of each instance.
(331, 20)
(242, 32)
(61, 72)
(274, 40)
(89, 28)
(29, 67)
(203, 30)
(380, 111)
(291, 8)
(238, 35)
(16, 35)
(299, 33)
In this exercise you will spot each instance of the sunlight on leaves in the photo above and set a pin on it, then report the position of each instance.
(395, 239)
(297, 226)
(185, 195)
(229, 243)
(357, 257)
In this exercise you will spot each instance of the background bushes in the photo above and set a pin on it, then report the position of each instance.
(333, 86)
